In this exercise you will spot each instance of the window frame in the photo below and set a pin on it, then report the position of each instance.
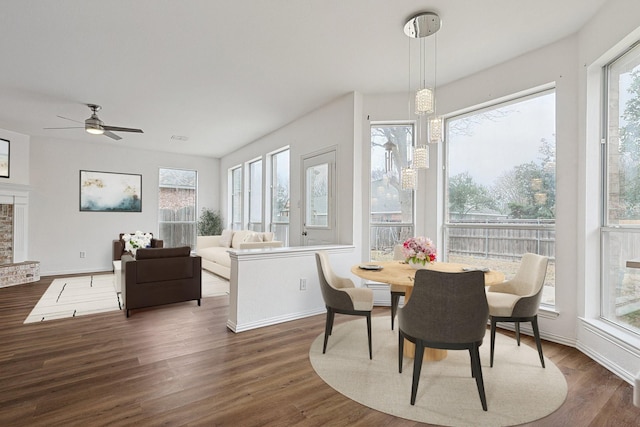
(236, 198)
(405, 228)
(193, 223)
(277, 226)
(608, 229)
(252, 187)
(543, 228)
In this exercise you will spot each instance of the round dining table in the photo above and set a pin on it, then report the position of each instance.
(399, 273)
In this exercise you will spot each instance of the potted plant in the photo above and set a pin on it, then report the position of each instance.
(210, 223)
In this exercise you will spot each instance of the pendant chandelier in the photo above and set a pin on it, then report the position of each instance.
(420, 27)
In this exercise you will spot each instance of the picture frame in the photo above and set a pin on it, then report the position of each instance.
(4, 158)
(110, 192)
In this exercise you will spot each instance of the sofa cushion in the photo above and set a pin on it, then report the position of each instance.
(267, 236)
(238, 237)
(151, 253)
(216, 254)
(253, 237)
(226, 238)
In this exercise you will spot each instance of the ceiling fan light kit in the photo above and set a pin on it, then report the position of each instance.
(95, 126)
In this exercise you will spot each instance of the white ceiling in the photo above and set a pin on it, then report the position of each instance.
(225, 73)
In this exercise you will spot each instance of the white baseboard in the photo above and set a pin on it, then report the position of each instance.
(241, 327)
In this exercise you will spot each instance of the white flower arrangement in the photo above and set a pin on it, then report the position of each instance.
(133, 242)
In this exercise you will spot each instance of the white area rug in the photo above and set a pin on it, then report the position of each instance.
(518, 389)
(82, 295)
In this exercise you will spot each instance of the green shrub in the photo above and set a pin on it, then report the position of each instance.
(210, 223)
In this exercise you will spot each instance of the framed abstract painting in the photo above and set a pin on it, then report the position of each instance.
(110, 192)
(4, 158)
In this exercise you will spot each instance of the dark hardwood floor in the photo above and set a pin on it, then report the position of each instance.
(180, 365)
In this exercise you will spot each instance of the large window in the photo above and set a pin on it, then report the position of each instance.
(177, 207)
(501, 186)
(236, 198)
(280, 204)
(255, 195)
(621, 214)
(391, 208)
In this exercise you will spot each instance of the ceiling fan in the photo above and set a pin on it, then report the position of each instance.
(95, 126)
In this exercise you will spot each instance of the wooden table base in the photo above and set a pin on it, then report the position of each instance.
(430, 354)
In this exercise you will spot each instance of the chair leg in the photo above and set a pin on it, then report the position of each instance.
(477, 367)
(473, 368)
(417, 367)
(369, 333)
(395, 301)
(518, 333)
(327, 329)
(333, 316)
(400, 350)
(493, 340)
(536, 334)
(198, 302)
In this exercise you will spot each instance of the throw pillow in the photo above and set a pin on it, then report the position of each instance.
(267, 236)
(253, 237)
(225, 238)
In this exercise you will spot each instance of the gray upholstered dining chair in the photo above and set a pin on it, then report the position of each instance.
(446, 311)
(396, 291)
(517, 300)
(342, 296)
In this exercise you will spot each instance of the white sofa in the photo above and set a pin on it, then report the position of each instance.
(214, 249)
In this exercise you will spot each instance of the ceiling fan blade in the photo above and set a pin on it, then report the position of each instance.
(112, 135)
(119, 129)
(66, 118)
(73, 127)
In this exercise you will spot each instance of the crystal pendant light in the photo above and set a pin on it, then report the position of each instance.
(408, 179)
(424, 101)
(418, 27)
(421, 157)
(435, 130)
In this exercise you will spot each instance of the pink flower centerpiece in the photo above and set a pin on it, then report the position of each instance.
(418, 251)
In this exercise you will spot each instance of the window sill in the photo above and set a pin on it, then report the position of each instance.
(548, 312)
(621, 337)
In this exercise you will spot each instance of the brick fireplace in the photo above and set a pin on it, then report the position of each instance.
(6, 234)
(15, 269)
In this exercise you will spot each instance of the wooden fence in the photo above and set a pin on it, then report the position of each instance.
(501, 240)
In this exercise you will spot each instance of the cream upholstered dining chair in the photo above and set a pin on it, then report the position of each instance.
(517, 300)
(447, 311)
(342, 297)
(396, 291)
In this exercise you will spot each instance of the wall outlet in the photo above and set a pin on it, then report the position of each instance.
(82, 254)
(303, 284)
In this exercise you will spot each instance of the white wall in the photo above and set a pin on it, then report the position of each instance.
(331, 125)
(607, 35)
(265, 284)
(58, 231)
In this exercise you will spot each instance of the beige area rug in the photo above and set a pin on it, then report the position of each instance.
(518, 389)
(82, 295)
